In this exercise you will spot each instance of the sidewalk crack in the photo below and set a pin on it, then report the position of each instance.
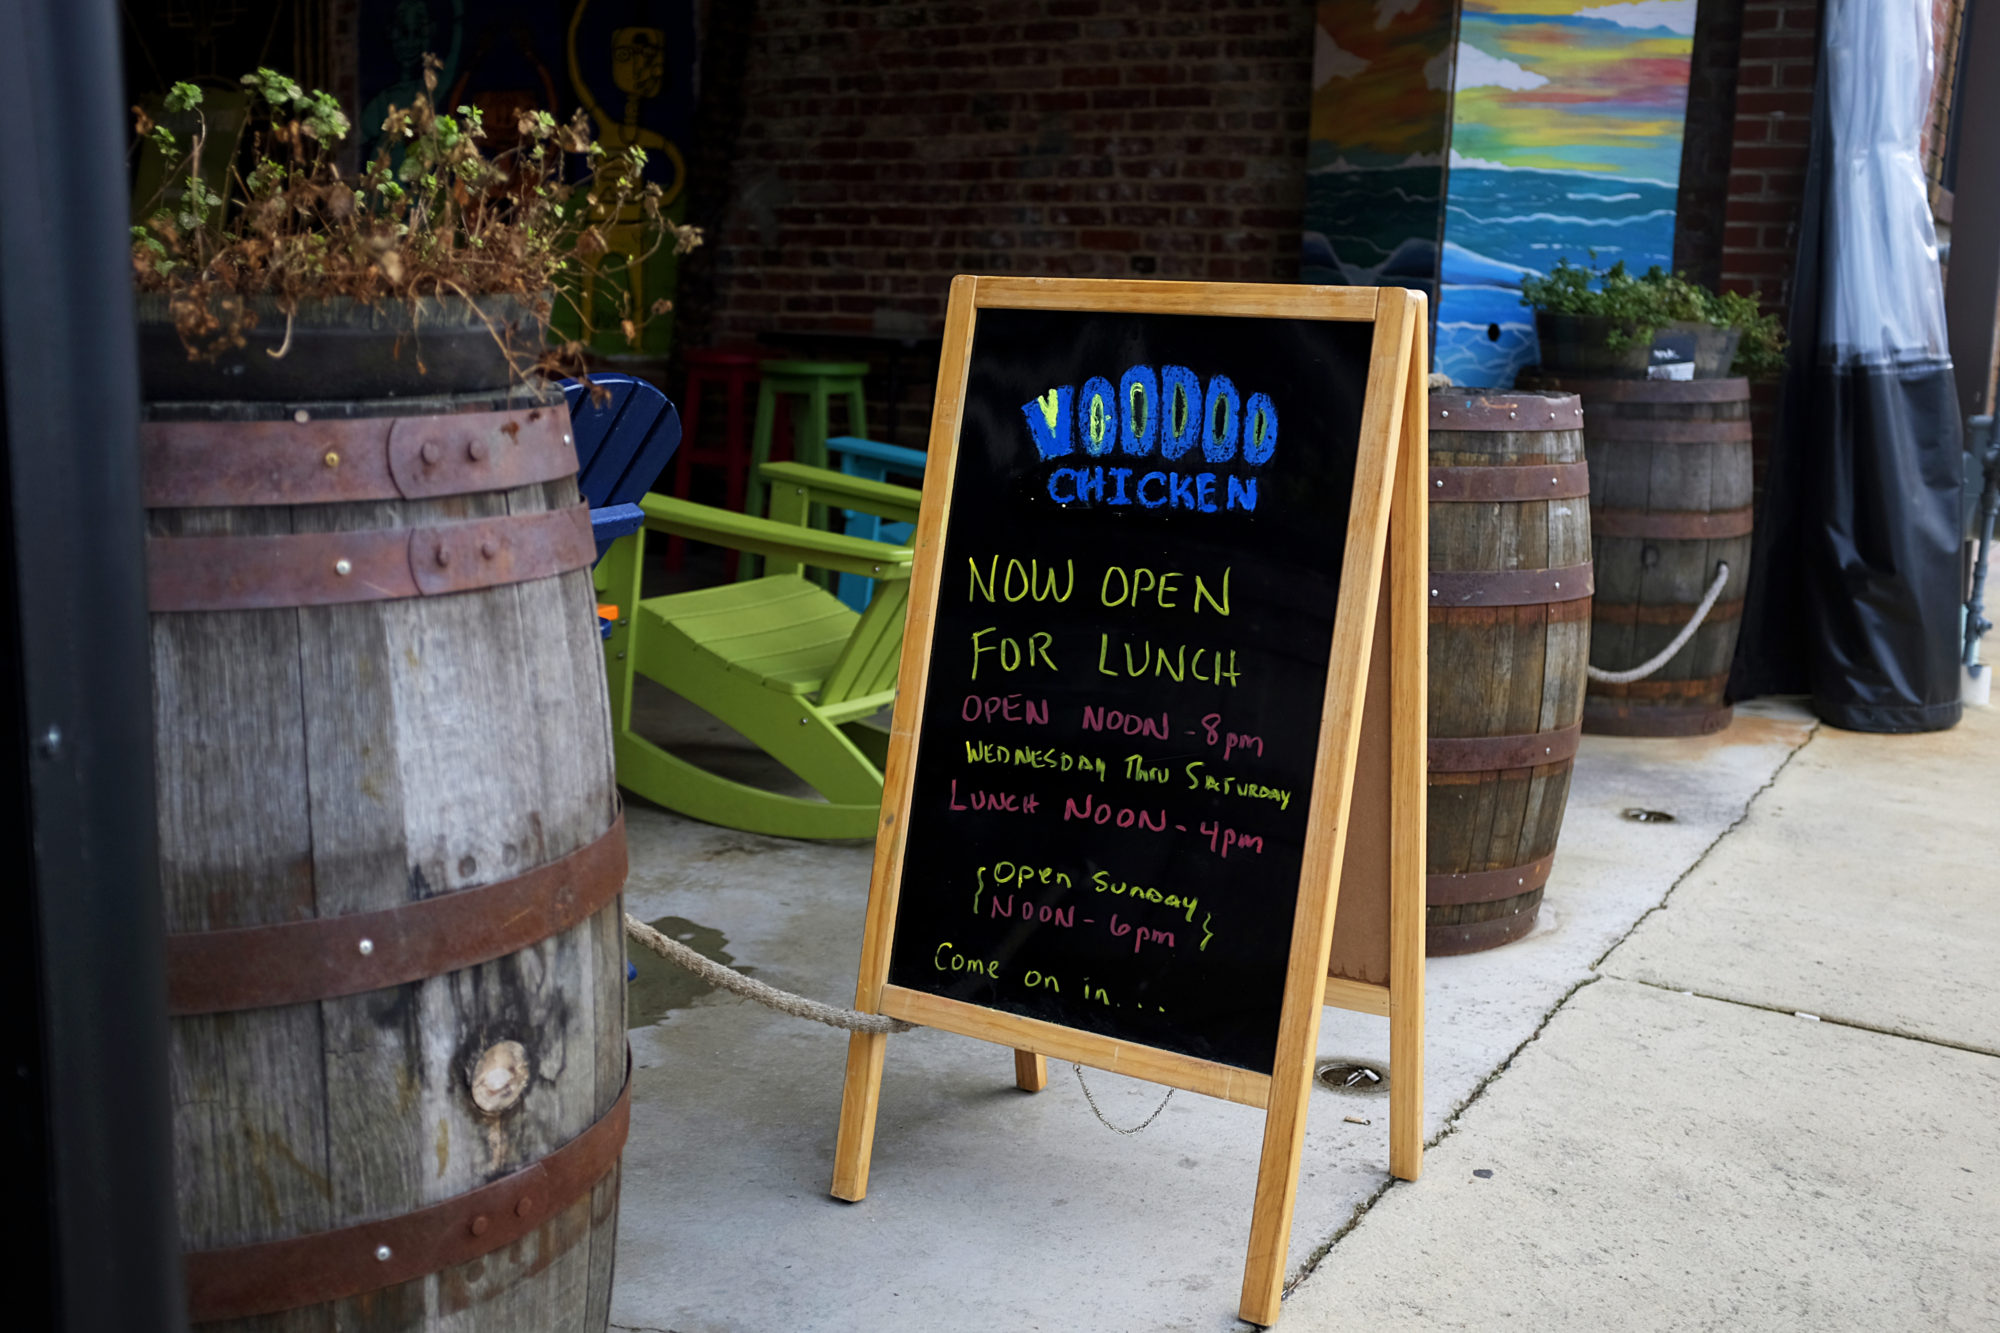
(1450, 1127)
(1750, 805)
(1818, 1018)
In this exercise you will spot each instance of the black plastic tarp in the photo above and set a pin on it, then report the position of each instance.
(1854, 593)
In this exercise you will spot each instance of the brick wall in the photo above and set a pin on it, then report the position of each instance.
(1777, 61)
(886, 147)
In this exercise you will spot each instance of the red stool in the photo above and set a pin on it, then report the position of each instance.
(736, 373)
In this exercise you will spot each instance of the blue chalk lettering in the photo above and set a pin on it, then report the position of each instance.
(1180, 403)
(1260, 429)
(1097, 415)
(1242, 493)
(1090, 484)
(1139, 393)
(1160, 477)
(1182, 487)
(1223, 416)
(1118, 475)
(1204, 490)
(1061, 474)
(1049, 421)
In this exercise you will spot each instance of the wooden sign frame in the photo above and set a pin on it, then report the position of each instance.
(1376, 687)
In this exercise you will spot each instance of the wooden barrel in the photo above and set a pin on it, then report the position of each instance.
(392, 857)
(1670, 495)
(1509, 633)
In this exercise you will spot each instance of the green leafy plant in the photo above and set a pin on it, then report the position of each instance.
(434, 217)
(1638, 306)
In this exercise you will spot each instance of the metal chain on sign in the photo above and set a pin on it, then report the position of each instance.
(1077, 1069)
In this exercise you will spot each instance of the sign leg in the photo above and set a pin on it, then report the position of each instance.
(1409, 691)
(860, 1095)
(1031, 1071)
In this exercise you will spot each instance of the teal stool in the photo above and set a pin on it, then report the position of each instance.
(819, 383)
(877, 462)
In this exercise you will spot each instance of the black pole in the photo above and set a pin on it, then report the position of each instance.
(89, 1169)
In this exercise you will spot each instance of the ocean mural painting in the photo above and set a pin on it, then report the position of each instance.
(1565, 144)
(1375, 166)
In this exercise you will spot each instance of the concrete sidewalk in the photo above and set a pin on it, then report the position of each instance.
(1680, 1135)
(1778, 1108)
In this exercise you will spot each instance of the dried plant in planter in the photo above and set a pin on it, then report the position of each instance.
(432, 225)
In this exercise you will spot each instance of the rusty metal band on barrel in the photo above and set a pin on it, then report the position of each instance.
(295, 962)
(1509, 587)
(270, 1276)
(1539, 481)
(1731, 390)
(1480, 754)
(1486, 886)
(1672, 524)
(1500, 411)
(381, 564)
(194, 464)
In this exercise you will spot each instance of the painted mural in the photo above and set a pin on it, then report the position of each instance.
(1565, 143)
(1375, 167)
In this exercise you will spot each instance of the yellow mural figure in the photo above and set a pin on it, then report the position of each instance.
(638, 68)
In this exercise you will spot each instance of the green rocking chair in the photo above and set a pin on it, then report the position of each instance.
(778, 658)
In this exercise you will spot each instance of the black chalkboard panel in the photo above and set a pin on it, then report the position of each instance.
(1140, 571)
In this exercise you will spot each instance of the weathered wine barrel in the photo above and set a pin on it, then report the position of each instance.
(391, 857)
(1670, 490)
(1509, 633)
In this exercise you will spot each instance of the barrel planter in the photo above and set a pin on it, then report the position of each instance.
(391, 857)
(1670, 489)
(1510, 590)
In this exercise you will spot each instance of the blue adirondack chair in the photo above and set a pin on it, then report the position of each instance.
(877, 462)
(622, 446)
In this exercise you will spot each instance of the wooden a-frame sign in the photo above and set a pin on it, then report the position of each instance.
(1363, 828)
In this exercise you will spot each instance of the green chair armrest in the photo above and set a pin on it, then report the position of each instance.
(798, 485)
(792, 543)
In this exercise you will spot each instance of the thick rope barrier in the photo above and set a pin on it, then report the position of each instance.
(1666, 654)
(729, 979)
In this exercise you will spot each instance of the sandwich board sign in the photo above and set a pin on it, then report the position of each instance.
(1161, 704)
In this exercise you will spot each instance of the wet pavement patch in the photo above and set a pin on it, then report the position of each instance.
(660, 986)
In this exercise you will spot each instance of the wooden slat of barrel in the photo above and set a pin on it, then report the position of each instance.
(1501, 671)
(331, 760)
(1665, 448)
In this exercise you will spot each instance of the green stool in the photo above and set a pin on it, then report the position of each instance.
(818, 383)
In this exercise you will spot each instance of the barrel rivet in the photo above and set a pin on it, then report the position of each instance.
(1552, 416)
(476, 450)
(1511, 416)
(1559, 583)
(302, 416)
(1434, 592)
(431, 452)
(382, 1253)
(479, 1225)
(1443, 412)
(525, 1206)
(1552, 481)
(343, 567)
(366, 946)
(443, 555)
(489, 548)
(1440, 484)
(332, 458)
(566, 439)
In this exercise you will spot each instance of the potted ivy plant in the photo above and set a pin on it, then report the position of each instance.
(1609, 324)
(390, 844)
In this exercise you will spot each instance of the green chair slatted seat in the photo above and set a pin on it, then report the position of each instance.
(778, 658)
